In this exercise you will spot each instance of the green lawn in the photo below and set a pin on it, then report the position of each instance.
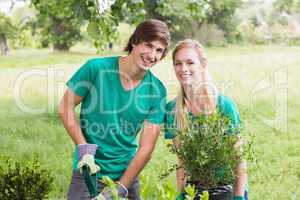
(261, 79)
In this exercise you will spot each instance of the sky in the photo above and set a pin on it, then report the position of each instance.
(6, 4)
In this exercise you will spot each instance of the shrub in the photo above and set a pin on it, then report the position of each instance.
(209, 153)
(210, 35)
(24, 180)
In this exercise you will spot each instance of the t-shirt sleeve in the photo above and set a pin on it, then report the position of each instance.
(231, 111)
(158, 108)
(82, 81)
(169, 122)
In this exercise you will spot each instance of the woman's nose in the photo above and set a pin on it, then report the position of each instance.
(184, 67)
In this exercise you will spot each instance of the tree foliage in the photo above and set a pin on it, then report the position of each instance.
(7, 30)
(288, 6)
(187, 16)
(60, 20)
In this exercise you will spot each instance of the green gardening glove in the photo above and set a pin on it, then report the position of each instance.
(238, 198)
(180, 196)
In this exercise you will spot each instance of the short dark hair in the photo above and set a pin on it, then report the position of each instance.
(150, 30)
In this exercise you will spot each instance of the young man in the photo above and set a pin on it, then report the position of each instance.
(119, 97)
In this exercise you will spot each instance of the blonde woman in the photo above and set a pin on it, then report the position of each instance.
(199, 95)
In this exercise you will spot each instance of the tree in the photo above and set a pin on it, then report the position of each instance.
(288, 6)
(60, 20)
(102, 24)
(58, 23)
(222, 14)
(7, 30)
(187, 16)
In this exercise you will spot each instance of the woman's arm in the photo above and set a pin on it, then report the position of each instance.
(241, 173)
(180, 177)
(241, 179)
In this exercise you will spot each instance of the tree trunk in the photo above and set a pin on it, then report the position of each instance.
(61, 47)
(3, 44)
(59, 29)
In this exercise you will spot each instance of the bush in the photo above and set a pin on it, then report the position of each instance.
(211, 35)
(259, 35)
(22, 181)
(208, 152)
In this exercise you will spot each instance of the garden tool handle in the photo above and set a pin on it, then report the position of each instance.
(90, 180)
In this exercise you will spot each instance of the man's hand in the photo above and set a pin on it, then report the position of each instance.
(119, 192)
(86, 153)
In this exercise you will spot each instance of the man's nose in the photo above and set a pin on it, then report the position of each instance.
(153, 54)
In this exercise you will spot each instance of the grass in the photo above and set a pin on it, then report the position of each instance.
(241, 72)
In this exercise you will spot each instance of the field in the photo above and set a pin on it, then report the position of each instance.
(261, 79)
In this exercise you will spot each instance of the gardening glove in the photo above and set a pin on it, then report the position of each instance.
(86, 153)
(120, 192)
(238, 198)
(180, 196)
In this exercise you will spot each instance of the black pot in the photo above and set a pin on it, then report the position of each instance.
(223, 192)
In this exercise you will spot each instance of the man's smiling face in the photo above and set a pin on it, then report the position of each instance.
(147, 54)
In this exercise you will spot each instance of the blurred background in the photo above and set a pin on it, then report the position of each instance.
(61, 25)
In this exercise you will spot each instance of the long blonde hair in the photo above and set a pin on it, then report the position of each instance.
(206, 90)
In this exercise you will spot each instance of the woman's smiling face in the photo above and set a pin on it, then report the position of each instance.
(187, 65)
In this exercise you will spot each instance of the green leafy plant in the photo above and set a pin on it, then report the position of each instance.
(209, 150)
(205, 196)
(166, 190)
(190, 192)
(110, 186)
(24, 180)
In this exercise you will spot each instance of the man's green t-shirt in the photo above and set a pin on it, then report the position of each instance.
(111, 116)
(224, 105)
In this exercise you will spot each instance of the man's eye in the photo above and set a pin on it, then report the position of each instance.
(159, 50)
(190, 63)
(177, 64)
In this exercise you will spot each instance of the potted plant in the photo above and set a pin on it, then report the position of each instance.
(210, 151)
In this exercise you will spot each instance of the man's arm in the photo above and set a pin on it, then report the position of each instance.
(147, 143)
(68, 116)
